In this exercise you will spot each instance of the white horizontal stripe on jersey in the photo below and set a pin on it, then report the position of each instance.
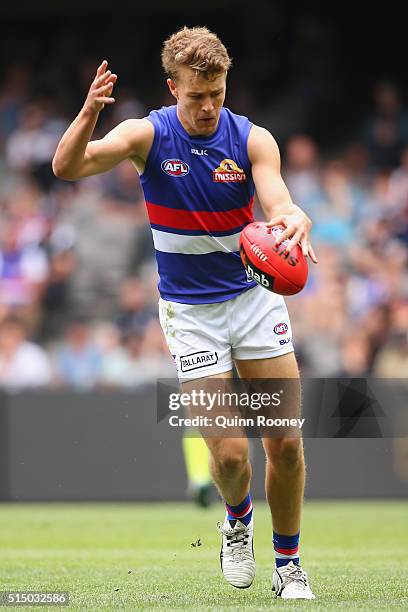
(194, 245)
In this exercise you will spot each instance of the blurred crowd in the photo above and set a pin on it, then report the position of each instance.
(78, 281)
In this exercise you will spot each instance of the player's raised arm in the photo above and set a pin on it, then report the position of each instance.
(274, 195)
(76, 157)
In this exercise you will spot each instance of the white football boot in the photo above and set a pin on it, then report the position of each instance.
(237, 553)
(290, 582)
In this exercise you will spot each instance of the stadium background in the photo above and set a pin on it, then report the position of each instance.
(78, 297)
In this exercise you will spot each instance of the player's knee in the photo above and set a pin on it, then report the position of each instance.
(231, 462)
(287, 451)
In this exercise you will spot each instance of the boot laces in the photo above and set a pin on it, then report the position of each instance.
(296, 574)
(237, 542)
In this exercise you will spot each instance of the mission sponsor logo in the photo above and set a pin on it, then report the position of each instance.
(194, 361)
(228, 172)
(175, 167)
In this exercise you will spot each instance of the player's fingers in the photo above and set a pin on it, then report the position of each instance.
(102, 78)
(101, 68)
(304, 243)
(294, 240)
(276, 221)
(287, 233)
(105, 100)
(313, 256)
(102, 91)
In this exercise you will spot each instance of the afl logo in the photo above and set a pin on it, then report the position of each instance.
(280, 328)
(175, 167)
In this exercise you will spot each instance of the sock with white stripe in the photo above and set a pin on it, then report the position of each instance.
(242, 512)
(286, 549)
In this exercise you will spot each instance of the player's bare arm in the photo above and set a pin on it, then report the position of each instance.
(273, 194)
(76, 157)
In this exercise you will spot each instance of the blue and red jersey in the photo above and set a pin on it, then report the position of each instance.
(199, 195)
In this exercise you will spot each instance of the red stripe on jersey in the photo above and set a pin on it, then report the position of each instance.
(182, 219)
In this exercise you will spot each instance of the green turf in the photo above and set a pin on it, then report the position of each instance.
(356, 555)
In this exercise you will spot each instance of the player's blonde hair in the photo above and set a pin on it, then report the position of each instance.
(197, 48)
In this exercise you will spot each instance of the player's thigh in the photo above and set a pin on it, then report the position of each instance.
(282, 366)
(224, 450)
(288, 448)
(276, 377)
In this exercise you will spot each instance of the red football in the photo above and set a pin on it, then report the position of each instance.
(269, 265)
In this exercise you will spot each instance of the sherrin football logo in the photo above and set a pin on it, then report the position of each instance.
(228, 172)
(175, 167)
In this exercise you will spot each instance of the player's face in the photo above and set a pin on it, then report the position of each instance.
(199, 100)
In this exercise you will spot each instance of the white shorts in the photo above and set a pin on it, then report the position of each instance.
(205, 338)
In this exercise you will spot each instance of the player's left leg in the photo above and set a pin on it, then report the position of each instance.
(284, 483)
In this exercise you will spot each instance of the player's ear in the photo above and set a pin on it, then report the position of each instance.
(173, 88)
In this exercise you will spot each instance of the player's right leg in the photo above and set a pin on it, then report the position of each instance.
(198, 338)
(231, 472)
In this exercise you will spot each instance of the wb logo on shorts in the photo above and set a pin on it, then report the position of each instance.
(194, 361)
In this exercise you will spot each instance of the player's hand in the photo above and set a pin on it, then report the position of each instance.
(101, 89)
(297, 228)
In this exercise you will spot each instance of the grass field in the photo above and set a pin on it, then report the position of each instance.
(139, 556)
